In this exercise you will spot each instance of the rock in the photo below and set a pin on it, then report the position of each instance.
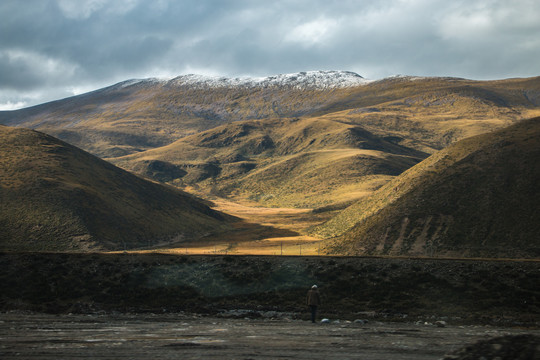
(440, 323)
(325, 321)
(505, 347)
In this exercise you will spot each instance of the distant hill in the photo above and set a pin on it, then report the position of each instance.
(299, 162)
(478, 197)
(55, 197)
(425, 113)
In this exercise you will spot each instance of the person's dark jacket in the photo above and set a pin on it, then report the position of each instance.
(313, 298)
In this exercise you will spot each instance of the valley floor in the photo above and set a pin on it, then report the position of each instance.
(173, 336)
(262, 231)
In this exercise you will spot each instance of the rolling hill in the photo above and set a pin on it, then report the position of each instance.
(477, 198)
(278, 162)
(55, 197)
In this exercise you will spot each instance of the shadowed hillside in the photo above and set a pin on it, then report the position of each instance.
(300, 163)
(478, 197)
(55, 197)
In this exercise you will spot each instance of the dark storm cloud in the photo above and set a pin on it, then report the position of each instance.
(55, 48)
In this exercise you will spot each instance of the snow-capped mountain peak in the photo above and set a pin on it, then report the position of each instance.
(301, 80)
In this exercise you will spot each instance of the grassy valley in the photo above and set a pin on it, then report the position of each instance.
(306, 152)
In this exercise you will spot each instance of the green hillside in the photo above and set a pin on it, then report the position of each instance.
(478, 197)
(55, 197)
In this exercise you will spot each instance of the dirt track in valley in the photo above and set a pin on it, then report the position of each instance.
(184, 336)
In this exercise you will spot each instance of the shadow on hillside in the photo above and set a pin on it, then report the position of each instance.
(242, 231)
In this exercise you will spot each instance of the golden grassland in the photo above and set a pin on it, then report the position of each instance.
(282, 160)
(281, 163)
(478, 197)
(263, 231)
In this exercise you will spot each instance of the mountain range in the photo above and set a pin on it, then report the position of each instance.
(325, 140)
(137, 115)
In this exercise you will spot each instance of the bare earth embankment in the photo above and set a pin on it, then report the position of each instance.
(456, 291)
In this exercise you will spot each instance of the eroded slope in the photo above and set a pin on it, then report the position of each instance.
(478, 197)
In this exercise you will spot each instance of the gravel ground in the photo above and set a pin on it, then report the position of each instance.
(186, 336)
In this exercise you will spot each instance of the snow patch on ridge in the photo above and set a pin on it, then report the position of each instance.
(301, 80)
(317, 80)
(132, 82)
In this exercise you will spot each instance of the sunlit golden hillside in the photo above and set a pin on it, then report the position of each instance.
(478, 197)
(300, 163)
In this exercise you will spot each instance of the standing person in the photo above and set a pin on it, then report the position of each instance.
(313, 300)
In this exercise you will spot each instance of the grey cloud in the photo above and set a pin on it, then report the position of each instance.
(68, 44)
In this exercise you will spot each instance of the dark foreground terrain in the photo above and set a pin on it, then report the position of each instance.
(183, 336)
(135, 306)
(454, 291)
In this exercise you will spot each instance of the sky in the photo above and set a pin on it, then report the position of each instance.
(52, 49)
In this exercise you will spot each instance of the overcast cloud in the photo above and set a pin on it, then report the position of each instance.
(50, 49)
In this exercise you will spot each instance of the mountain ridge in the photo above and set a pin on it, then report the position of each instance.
(138, 115)
(302, 80)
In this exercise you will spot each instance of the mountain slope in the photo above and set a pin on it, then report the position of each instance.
(299, 163)
(137, 115)
(54, 196)
(478, 197)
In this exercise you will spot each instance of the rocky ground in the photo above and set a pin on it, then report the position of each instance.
(174, 336)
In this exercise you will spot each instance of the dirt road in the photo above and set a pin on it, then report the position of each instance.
(184, 336)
